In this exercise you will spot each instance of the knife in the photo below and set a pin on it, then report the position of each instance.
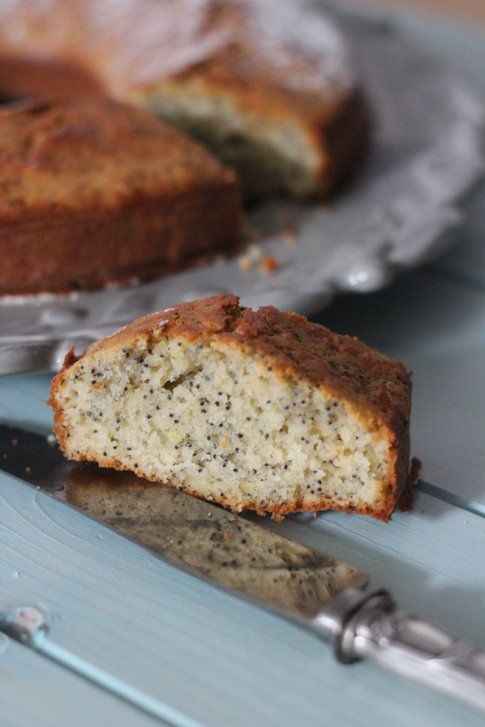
(313, 589)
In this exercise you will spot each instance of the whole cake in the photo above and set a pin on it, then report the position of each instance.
(251, 409)
(95, 191)
(265, 84)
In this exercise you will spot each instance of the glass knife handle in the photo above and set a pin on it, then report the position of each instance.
(378, 630)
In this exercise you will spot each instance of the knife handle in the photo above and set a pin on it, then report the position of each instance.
(380, 631)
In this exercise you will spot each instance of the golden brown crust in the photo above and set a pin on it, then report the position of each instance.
(308, 351)
(95, 152)
(237, 50)
(376, 388)
(241, 43)
(96, 191)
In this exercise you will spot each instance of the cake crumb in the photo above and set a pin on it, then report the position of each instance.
(244, 263)
(269, 265)
(252, 255)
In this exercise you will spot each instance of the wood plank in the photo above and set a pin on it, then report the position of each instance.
(23, 401)
(222, 661)
(35, 691)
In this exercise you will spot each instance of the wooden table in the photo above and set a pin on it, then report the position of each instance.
(206, 658)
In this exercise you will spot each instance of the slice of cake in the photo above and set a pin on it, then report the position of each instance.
(256, 410)
(96, 191)
(266, 84)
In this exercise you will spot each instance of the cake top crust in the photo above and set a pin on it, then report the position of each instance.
(89, 152)
(280, 49)
(375, 386)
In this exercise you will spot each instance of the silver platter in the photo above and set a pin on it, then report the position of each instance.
(425, 154)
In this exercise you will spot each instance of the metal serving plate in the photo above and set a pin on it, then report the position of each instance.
(425, 154)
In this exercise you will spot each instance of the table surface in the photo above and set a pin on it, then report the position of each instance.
(202, 656)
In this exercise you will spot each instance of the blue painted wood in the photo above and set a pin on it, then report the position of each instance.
(36, 692)
(23, 401)
(222, 661)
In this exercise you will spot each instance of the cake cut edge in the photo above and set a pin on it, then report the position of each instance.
(381, 398)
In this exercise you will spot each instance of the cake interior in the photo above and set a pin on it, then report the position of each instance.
(269, 158)
(213, 419)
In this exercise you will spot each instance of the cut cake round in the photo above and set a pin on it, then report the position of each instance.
(257, 410)
(97, 191)
(266, 84)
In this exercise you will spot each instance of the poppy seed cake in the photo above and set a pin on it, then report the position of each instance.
(267, 86)
(257, 410)
(95, 192)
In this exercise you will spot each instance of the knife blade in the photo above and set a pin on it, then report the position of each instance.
(306, 586)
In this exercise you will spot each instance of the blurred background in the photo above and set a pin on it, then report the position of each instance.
(466, 11)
